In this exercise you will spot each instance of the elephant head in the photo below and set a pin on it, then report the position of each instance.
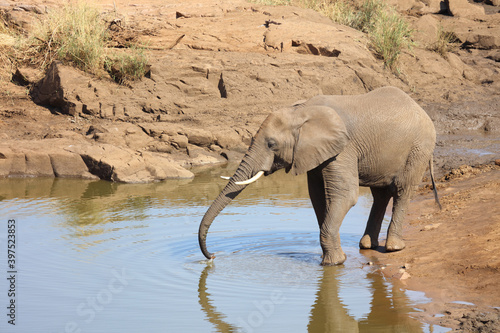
(298, 138)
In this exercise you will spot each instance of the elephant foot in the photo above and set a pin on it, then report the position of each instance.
(368, 243)
(394, 244)
(332, 259)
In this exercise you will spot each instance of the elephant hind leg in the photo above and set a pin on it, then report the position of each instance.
(395, 240)
(405, 186)
(381, 197)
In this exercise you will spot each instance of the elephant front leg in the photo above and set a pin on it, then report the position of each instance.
(333, 192)
(332, 250)
(337, 209)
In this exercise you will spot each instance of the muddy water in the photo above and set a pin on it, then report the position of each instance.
(103, 257)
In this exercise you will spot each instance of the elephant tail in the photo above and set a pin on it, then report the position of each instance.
(436, 197)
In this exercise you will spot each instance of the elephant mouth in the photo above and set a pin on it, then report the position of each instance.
(278, 164)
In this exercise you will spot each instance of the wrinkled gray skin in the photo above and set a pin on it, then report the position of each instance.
(383, 140)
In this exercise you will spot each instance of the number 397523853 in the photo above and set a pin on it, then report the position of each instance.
(11, 244)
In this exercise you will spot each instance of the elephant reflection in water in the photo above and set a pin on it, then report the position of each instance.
(214, 317)
(389, 308)
(388, 313)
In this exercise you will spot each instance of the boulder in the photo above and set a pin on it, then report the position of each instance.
(5, 161)
(38, 164)
(433, 7)
(199, 137)
(179, 141)
(125, 165)
(67, 164)
(54, 88)
(463, 8)
(315, 38)
(426, 30)
(199, 156)
(123, 134)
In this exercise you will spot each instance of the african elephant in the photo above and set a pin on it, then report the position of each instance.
(382, 139)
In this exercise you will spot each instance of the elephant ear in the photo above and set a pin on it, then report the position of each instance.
(321, 135)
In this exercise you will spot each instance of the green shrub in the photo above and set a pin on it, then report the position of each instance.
(73, 33)
(445, 42)
(127, 66)
(390, 35)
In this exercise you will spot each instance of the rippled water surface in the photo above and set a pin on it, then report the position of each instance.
(103, 257)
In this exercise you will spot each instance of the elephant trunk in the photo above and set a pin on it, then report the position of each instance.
(232, 189)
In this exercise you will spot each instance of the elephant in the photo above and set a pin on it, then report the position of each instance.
(382, 139)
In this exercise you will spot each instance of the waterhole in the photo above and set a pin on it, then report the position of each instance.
(95, 256)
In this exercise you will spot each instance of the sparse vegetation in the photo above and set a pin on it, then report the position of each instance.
(389, 32)
(445, 42)
(75, 34)
(390, 35)
(127, 66)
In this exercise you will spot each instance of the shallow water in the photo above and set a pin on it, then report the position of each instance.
(104, 257)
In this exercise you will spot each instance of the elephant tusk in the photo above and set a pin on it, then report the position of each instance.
(251, 180)
(225, 177)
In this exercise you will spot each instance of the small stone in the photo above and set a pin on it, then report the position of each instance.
(402, 275)
(497, 161)
(430, 227)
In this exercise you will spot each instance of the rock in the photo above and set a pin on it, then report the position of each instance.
(230, 139)
(494, 55)
(25, 76)
(299, 36)
(402, 275)
(456, 62)
(5, 161)
(38, 165)
(161, 147)
(76, 93)
(164, 138)
(18, 164)
(123, 134)
(462, 8)
(426, 30)
(199, 137)
(430, 227)
(67, 164)
(28, 8)
(52, 89)
(232, 156)
(179, 141)
(433, 6)
(125, 165)
(199, 156)
(497, 161)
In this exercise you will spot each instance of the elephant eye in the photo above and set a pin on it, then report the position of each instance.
(272, 144)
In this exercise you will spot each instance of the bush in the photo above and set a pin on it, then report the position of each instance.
(446, 42)
(127, 66)
(390, 35)
(74, 33)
